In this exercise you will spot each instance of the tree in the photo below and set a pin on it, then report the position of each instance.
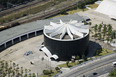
(104, 34)
(14, 64)
(89, 23)
(46, 72)
(95, 28)
(110, 39)
(57, 68)
(109, 27)
(104, 28)
(107, 39)
(99, 35)
(77, 58)
(97, 52)
(63, 11)
(25, 70)
(100, 26)
(113, 73)
(25, 75)
(33, 75)
(67, 62)
(109, 33)
(83, 57)
(81, 5)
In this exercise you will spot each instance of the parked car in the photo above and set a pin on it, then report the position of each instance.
(114, 64)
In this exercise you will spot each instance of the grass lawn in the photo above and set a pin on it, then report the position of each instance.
(93, 6)
(50, 75)
(78, 10)
(104, 52)
(70, 64)
(70, 12)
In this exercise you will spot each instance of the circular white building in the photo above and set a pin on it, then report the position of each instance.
(66, 39)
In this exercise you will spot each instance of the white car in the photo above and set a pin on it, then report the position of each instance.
(114, 64)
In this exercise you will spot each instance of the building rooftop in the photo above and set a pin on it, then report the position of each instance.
(36, 25)
(108, 7)
(66, 30)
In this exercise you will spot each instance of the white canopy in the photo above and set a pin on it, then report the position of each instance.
(71, 28)
(48, 53)
(55, 57)
(108, 7)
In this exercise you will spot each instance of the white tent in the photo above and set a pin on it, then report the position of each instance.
(108, 7)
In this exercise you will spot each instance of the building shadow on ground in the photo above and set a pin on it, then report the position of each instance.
(93, 46)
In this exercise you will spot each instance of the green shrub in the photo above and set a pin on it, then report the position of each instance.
(46, 72)
(57, 68)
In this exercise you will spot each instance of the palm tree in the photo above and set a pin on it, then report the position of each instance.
(4, 74)
(77, 58)
(109, 27)
(33, 75)
(17, 66)
(104, 28)
(95, 28)
(100, 26)
(14, 64)
(25, 75)
(104, 34)
(99, 35)
(107, 39)
(67, 62)
(90, 23)
(97, 52)
(109, 32)
(30, 72)
(25, 70)
(83, 57)
(13, 73)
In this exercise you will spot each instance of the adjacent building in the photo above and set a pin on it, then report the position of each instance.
(108, 7)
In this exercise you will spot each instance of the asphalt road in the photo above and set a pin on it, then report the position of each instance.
(100, 71)
(79, 71)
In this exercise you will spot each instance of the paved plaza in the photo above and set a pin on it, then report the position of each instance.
(16, 52)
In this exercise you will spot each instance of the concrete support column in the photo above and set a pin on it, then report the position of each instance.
(35, 33)
(27, 35)
(5, 45)
(12, 41)
(20, 38)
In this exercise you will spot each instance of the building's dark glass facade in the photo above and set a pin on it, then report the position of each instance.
(66, 49)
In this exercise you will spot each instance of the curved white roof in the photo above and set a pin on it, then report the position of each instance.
(108, 7)
(72, 29)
